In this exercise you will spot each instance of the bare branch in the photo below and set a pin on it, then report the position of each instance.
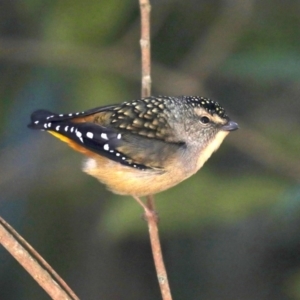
(160, 268)
(34, 264)
(145, 8)
(150, 214)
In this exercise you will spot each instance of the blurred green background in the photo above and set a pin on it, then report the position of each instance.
(232, 231)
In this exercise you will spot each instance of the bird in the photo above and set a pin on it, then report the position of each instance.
(144, 146)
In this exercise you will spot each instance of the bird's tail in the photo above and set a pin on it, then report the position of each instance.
(39, 119)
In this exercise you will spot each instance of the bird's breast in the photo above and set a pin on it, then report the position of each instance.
(129, 181)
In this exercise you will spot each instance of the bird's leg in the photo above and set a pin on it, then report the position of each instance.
(150, 213)
(150, 202)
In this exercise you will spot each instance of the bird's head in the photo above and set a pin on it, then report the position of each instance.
(201, 120)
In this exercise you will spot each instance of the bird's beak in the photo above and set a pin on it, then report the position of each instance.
(230, 126)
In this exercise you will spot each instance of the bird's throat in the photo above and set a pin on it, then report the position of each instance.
(210, 148)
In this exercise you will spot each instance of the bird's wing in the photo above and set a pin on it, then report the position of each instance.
(135, 133)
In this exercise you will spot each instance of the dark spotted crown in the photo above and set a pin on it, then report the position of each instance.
(209, 105)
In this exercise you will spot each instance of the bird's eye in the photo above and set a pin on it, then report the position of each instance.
(204, 120)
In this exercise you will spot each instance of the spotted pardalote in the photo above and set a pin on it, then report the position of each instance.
(144, 146)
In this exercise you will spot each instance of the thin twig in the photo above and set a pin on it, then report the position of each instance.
(161, 271)
(34, 264)
(160, 268)
(145, 47)
(149, 207)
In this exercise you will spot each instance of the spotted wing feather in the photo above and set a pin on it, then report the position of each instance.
(42, 115)
(99, 139)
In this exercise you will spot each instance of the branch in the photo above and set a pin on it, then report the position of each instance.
(145, 47)
(150, 214)
(34, 264)
(161, 272)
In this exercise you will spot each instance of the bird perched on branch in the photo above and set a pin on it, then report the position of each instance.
(144, 146)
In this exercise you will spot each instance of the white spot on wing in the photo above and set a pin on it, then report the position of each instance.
(36, 122)
(119, 136)
(79, 135)
(90, 135)
(66, 128)
(104, 136)
(106, 147)
(57, 128)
